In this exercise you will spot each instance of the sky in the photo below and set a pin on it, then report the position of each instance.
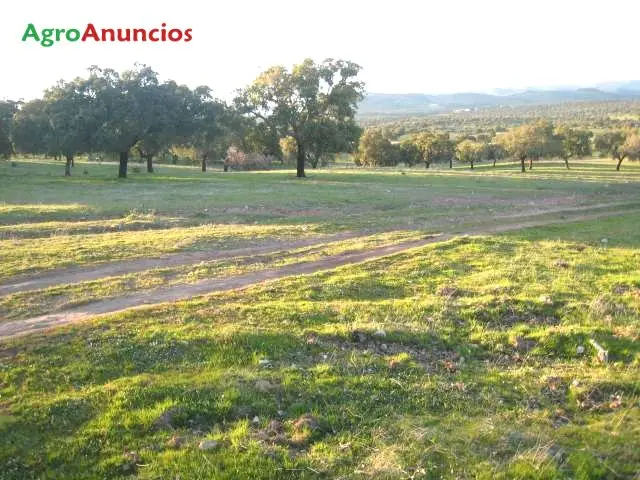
(403, 46)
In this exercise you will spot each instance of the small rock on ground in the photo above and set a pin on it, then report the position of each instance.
(208, 445)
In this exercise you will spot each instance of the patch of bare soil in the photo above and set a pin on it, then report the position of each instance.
(86, 274)
(179, 292)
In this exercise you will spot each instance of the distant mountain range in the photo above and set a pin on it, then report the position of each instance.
(420, 104)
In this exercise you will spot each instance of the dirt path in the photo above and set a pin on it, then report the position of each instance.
(124, 267)
(180, 292)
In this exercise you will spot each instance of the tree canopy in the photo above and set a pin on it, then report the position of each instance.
(315, 104)
(306, 112)
(375, 149)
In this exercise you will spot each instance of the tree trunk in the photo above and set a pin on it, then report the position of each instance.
(619, 163)
(300, 161)
(471, 164)
(73, 161)
(494, 162)
(566, 163)
(67, 166)
(149, 163)
(226, 167)
(174, 159)
(450, 162)
(531, 164)
(122, 168)
(204, 163)
(522, 164)
(426, 164)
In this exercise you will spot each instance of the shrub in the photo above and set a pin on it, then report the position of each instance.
(236, 159)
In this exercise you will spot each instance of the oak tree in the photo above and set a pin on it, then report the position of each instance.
(311, 103)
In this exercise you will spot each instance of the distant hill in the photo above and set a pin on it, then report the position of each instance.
(420, 104)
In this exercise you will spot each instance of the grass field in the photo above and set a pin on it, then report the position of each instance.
(465, 358)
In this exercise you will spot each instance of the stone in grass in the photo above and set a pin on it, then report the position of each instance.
(265, 363)
(380, 333)
(208, 444)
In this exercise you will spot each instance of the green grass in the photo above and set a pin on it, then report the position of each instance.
(35, 302)
(48, 221)
(35, 255)
(477, 374)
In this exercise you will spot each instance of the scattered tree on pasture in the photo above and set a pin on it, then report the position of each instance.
(409, 153)
(208, 135)
(174, 106)
(125, 108)
(435, 148)
(443, 149)
(301, 102)
(375, 150)
(611, 143)
(470, 152)
(529, 141)
(71, 121)
(574, 143)
(425, 144)
(494, 152)
(630, 148)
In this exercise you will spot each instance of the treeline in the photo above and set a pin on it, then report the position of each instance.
(593, 116)
(306, 113)
(525, 143)
(309, 109)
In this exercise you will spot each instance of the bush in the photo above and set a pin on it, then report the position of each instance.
(238, 160)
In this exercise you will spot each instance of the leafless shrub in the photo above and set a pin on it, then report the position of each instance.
(236, 159)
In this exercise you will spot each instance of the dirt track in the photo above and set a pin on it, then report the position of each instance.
(178, 292)
(123, 267)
